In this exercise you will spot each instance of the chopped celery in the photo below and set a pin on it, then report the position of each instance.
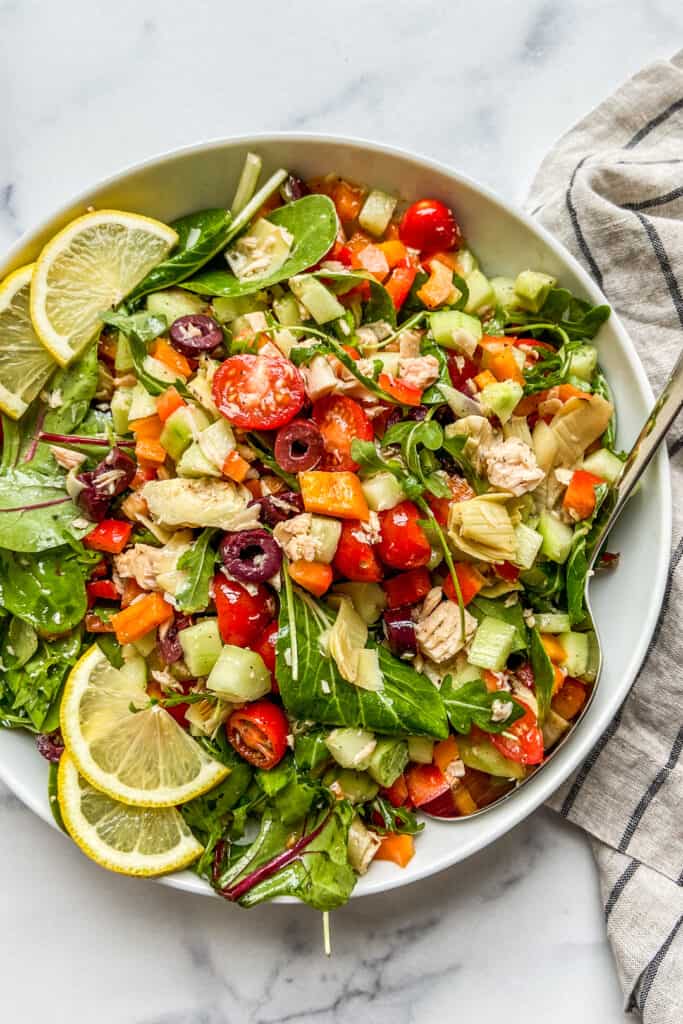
(351, 748)
(239, 675)
(201, 646)
(492, 644)
(528, 545)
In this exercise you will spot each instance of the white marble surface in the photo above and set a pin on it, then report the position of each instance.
(88, 87)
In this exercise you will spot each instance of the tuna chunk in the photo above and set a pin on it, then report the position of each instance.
(439, 634)
(418, 371)
(511, 466)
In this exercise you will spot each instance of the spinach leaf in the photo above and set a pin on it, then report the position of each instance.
(19, 643)
(312, 221)
(36, 513)
(200, 237)
(28, 693)
(544, 674)
(198, 562)
(483, 606)
(110, 648)
(140, 328)
(407, 704)
(46, 590)
(310, 750)
(472, 704)
(210, 815)
(576, 568)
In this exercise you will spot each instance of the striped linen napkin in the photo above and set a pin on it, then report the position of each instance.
(612, 191)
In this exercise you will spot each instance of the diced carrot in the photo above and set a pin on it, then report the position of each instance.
(503, 366)
(139, 618)
(570, 699)
(235, 467)
(579, 497)
(437, 289)
(567, 391)
(553, 648)
(315, 577)
(530, 403)
(151, 451)
(463, 801)
(147, 429)
(558, 681)
(348, 199)
(483, 379)
(168, 403)
(394, 250)
(334, 494)
(445, 752)
(399, 849)
(170, 357)
(470, 579)
(490, 680)
(254, 488)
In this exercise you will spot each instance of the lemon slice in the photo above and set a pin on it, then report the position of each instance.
(25, 365)
(142, 758)
(90, 266)
(131, 840)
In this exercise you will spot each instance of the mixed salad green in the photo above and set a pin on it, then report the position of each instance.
(327, 492)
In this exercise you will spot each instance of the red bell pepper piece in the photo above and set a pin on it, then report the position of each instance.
(406, 394)
(103, 590)
(407, 588)
(110, 535)
(400, 283)
(470, 579)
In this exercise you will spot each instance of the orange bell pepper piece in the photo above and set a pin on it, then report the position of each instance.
(579, 497)
(553, 648)
(503, 365)
(235, 467)
(483, 379)
(399, 284)
(150, 451)
(490, 680)
(394, 250)
(147, 429)
(316, 577)
(462, 798)
(174, 360)
(372, 259)
(567, 391)
(348, 200)
(139, 618)
(399, 849)
(334, 494)
(445, 752)
(437, 289)
(168, 403)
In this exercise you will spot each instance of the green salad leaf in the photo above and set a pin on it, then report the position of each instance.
(29, 693)
(544, 673)
(46, 590)
(139, 329)
(472, 704)
(198, 563)
(481, 607)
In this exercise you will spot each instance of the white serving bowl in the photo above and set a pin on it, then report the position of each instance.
(506, 241)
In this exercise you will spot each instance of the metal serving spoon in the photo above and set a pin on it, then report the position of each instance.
(655, 428)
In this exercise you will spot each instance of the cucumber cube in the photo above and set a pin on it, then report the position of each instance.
(501, 398)
(583, 362)
(504, 291)
(238, 675)
(557, 537)
(603, 463)
(533, 289)
(356, 787)
(201, 646)
(173, 303)
(194, 464)
(123, 362)
(351, 748)
(481, 292)
(142, 404)
(286, 310)
(528, 545)
(576, 650)
(120, 409)
(552, 622)
(492, 644)
(484, 757)
(377, 212)
(320, 302)
(388, 761)
(228, 309)
(181, 428)
(420, 749)
(382, 492)
(454, 329)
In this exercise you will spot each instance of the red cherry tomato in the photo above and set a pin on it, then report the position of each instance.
(339, 419)
(429, 225)
(527, 745)
(258, 392)
(265, 646)
(241, 616)
(461, 369)
(507, 571)
(404, 544)
(258, 732)
(355, 558)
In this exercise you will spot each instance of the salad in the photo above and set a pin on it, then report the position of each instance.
(296, 508)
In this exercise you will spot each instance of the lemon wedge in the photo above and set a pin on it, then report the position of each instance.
(143, 758)
(140, 841)
(88, 267)
(25, 365)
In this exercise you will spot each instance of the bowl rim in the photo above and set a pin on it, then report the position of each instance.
(589, 730)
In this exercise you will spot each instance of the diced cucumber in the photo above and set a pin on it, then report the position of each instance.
(533, 289)
(351, 748)
(201, 646)
(123, 361)
(501, 398)
(605, 464)
(420, 749)
(484, 757)
(356, 787)
(181, 428)
(248, 325)
(578, 382)
(492, 644)
(368, 599)
(159, 370)
(134, 670)
(575, 653)
(320, 302)
(388, 760)
(260, 252)
(325, 533)
(246, 186)
(552, 622)
(146, 644)
(173, 303)
(120, 409)
(557, 537)
(528, 545)
(142, 404)
(583, 361)
(194, 464)
(228, 309)
(454, 329)
(382, 492)
(467, 262)
(466, 673)
(504, 291)
(376, 212)
(216, 442)
(553, 728)
(286, 310)
(238, 674)
(481, 292)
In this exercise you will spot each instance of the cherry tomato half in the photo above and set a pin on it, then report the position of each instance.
(404, 544)
(527, 745)
(339, 419)
(241, 616)
(265, 646)
(429, 225)
(355, 558)
(258, 732)
(258, 392)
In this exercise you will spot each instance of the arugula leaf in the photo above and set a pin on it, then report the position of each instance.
(578, 319)
(139, 329)
(600, 386)
(472, 704)
(397, 820)
(260, 443)
(200, 237)
(428, 433)
(544, 674)
(198, 562)
(433, 394)
(46, 590)
(407, 704)
(481, 607)
(30, 692)
(312, 221)
(576, 567)
(291, 794)
(455, 447)
(111, 648)
(371, 461)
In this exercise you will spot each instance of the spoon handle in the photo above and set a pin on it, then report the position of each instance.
(664, 412)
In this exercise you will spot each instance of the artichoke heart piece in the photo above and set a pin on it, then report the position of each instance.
(481, 528)
(346, 644)
(579, 423)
